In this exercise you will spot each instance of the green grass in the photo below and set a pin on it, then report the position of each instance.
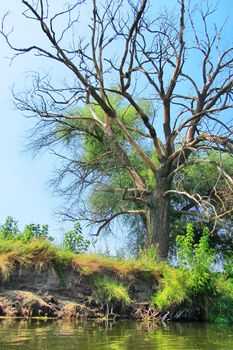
(175, 288)
(107, 290)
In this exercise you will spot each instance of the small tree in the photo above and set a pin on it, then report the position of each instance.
(32, 231)
(196, 258)
(74, 240)
(9, 229)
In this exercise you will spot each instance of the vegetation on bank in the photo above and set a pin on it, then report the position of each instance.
(194, 289)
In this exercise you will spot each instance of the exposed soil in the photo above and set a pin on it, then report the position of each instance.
(30, 292)
(18, 303)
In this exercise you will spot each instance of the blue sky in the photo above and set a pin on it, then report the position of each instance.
(23, 191)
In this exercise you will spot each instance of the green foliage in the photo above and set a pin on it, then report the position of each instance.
(193, 277)
(206, 164)
(107, 290)
(74, 240)
(9, 229)
(201, 175)
(97, 156)
(185, 247)
(219, 306)
(33, 231)
(228, 267)
(193, 285)
(175, 289)
(196, 258)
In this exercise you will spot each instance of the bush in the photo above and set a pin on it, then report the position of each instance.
(196, 259)
(182, 287)
(193, 290)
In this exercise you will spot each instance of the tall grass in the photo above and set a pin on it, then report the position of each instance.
(107, 290)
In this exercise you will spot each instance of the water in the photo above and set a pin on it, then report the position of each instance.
(62, 335)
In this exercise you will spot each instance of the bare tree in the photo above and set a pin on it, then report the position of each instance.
(175, 62)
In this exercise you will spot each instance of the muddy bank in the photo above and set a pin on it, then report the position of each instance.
(24, 304)
(74, 284)
(68, 293)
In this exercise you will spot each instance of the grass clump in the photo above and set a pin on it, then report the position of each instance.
(108, 292)
(12, 253)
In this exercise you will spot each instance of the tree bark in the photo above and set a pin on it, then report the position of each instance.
(158, 220)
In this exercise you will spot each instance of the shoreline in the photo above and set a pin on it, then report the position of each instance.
(21, 304)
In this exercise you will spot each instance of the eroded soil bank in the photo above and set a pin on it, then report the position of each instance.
(24, 304)
(68, 293)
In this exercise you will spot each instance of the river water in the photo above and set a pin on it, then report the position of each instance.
(121, 335)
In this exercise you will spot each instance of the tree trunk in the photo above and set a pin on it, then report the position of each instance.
(158, 221)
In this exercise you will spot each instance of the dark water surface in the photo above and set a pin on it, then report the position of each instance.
(62, 335)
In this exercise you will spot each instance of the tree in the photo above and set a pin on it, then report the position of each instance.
(10, 230)
(33, 231)
(176, 64)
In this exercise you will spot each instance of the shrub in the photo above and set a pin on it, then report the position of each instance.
(190, 281)
(197, 259)
(194, 290)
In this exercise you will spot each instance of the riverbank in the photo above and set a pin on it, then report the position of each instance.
(24, 304)
(39, 279)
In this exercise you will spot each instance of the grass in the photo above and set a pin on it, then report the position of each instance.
(107, 290)
(93, 263)
(175, 288)
(42, 254)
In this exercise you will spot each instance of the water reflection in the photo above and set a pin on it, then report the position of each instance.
(83, 335)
